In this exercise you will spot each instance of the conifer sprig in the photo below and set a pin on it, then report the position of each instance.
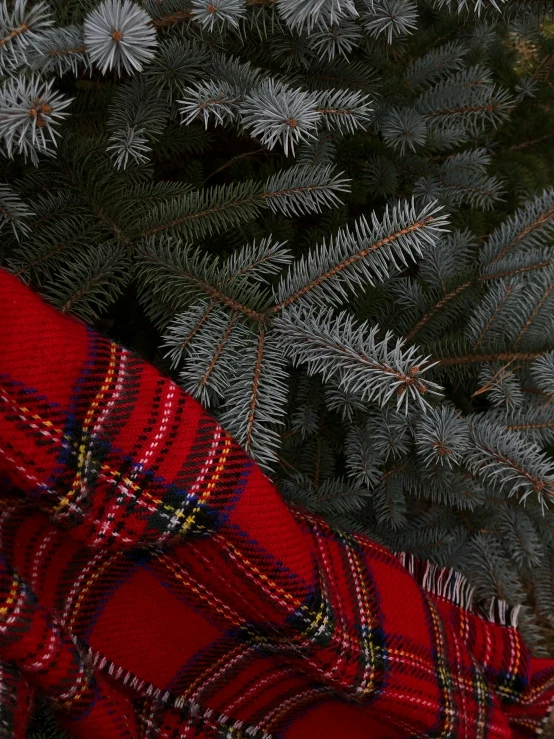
(376, 368)
(20, 27)
(363, 255)
(119, 36)
(30, 110)
(507, 461)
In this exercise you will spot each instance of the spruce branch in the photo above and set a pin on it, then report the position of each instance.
(183, 328)
(20, 29)
(389, 501)
(177, 64)
(52, 242)
(403, 129)
(348, 405)
(334, 346)
(502, 386)
(317, 152)
(543, 590)
(380, 175)
(363, 255)
(344, 111)
(537, 425)
(515, 312)
(256, 400)
(390, 18)
(259, 260)
(362, 461)
(519, 536)
(212, 14)
(340, 74)
(441, 264)
(505, 459)
(468, 98)
(335, 39)
(170, 267)
(488, 571)
(119, 35)
(170, 19)
(475, 6)
(390, 433)
(276, 113)
(449, 487)
(304, 189)
(293, 191)
(138, 105)
(542, 372)
(537, 309)
(437, 308)
(303, 15)
(517, 263)
(212, 351)
(489, 357)
(87, 287)
(128, 145)
(496, 312)
(437, 64)
(441, 437)
(461, 179)
(59, 50)
(530, 227)
(334, 497)
(213, 101)
(29, 112)
(14, 211)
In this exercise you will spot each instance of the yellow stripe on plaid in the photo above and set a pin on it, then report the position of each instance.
(15, 588)
(366, 612)
(191, 518)
(158, 503)
(84, 454)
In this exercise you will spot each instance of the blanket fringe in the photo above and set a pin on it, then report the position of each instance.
(455, 587)
(218, 722)
(545, 721)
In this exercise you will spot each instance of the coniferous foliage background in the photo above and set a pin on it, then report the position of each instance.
(332, 221)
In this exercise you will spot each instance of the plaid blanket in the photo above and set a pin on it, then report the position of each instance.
(154, 584)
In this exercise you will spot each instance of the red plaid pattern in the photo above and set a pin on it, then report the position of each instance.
(154, 584)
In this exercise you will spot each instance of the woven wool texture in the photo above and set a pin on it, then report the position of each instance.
(154, 584)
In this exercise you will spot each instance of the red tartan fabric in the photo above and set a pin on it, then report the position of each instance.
(154, 584)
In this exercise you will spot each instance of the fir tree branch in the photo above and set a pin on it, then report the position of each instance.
(537, 223)
(256, 400)
(544, 297)
(359, 256)
(530, 426)
(179, 341)
(449, 296)
(232, 160)
(296, 190)
(363, 364)
(505, 458)
(27, 267)
(437, 307)
(170, 269)
(516, 270)
(255, 389)
(218, 350)
(170, 19)
(508, 290)
(529, 142)
(492, 357)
